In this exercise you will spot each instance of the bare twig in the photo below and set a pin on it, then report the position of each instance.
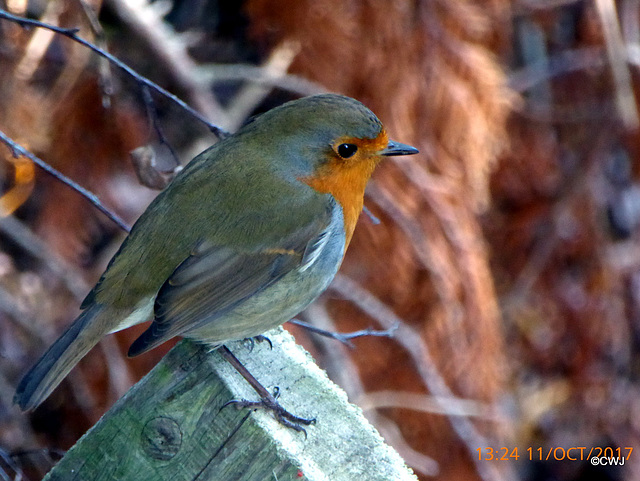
(345, 337)
(370, 215)
(337, 361)
(251, 95)
(38, 44)
(106, 79)
(426, 403)
(71, 33)
(261, 75)
(18, 150)
(153, 118)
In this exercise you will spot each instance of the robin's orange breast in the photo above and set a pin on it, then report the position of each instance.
(346, 179)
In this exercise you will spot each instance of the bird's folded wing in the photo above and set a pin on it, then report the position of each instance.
(214, 279)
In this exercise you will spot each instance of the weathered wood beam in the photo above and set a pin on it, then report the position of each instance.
(170, 426)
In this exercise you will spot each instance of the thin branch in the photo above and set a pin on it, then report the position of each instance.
(370, 215)
(252, 94)
(71, 33)
(38, 44)
(152, 113)
(335, 358)
(426, 403)
(345, 337)
(17, 151)
(106, 79)
(214, 72)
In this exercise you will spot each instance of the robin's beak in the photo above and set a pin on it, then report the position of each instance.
(396, 148)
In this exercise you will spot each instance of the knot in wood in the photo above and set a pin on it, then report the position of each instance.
(161, 438)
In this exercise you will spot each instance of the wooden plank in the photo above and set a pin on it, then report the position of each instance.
(171, 426)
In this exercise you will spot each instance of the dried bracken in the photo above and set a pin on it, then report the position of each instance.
(507, 251)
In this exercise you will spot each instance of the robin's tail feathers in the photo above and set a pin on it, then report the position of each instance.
(59, 359)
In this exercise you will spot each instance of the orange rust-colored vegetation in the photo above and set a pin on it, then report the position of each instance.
(507, 249)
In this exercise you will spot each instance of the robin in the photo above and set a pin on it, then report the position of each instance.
(247, 235)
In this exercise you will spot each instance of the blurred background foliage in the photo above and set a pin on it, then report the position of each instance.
(507, 250)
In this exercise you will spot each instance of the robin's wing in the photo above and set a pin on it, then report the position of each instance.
(214, 279)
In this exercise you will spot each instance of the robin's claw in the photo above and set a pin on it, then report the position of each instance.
(251, 341)
(283, 416)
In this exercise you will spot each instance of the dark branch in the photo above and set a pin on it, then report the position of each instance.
(152, 113)
(72, 34)
(19, 151)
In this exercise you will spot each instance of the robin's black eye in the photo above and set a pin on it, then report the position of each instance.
(347, 150)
